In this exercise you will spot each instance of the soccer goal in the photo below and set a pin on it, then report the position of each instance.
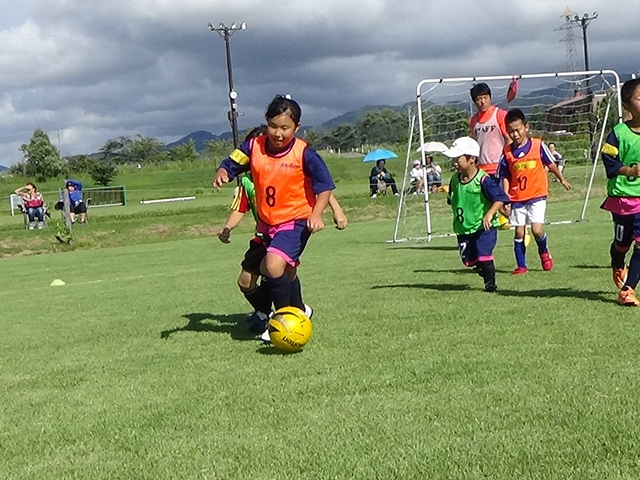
(573, 110)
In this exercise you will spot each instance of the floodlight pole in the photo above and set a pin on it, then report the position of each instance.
(226, 32)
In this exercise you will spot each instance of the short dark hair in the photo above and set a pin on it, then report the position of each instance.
(514, 115)
(628, 88)
(479, 89)
(283, 104)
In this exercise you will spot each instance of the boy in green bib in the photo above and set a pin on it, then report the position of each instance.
(475, 199)
(621, 159)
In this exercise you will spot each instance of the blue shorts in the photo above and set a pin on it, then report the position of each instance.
(287, 240)
(626, 229)
(477, 247)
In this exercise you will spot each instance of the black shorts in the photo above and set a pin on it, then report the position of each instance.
(79, 208)
(253, 257)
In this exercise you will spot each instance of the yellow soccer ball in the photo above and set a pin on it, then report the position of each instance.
(289, 329)
(503, 222)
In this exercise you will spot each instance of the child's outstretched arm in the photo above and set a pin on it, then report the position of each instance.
(232, 222)
(315, 222)
(487, 220)
(553, 168)
(339, 218)
(499, 199)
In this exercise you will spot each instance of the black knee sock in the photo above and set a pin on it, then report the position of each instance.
(280, 291)
(487, 271)
(633, 277)
(296, 294)
(617, 256)
(259, 297)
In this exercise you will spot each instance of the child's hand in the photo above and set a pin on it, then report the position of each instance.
(340, 220)
(565, 184)
(505, 210)
(487, 220)
(222, 177)
(224, 235)
(315, 223)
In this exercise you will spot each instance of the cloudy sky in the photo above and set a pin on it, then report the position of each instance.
(88, 71)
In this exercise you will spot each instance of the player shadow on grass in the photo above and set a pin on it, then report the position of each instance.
(592, 267)
(444, 287)
(596, 296)
(234, 325)
(439, 248)
(457, 271)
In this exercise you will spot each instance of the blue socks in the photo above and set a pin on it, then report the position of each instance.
(633, 276)
(519, 249)
(542, 244)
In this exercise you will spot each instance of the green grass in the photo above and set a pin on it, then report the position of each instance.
(142, 367)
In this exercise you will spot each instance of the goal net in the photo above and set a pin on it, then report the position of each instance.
(573, 110)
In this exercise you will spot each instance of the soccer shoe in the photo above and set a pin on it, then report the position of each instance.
(546, 261)
(374, 196)
(308, 311)
(258, 322)
(619, 276)
(519, 271)
(628, 298)
(490, 287)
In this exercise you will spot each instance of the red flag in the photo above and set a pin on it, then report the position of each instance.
(513, 89)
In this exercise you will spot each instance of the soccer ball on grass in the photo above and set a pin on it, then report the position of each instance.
(289, 329)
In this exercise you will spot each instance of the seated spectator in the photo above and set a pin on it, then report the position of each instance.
(434, 174)
(33, 204)
(557, 158)
(77, 205)
(416, 176)
(379, 172)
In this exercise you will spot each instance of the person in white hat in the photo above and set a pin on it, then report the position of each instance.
(475, 198)
(417, 178)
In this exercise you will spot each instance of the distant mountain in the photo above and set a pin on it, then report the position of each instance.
(3, 168)
(353, 116)
(199, 137)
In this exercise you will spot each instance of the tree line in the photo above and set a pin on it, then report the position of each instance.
(42, 159)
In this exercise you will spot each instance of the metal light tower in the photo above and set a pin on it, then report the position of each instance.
(226, 32)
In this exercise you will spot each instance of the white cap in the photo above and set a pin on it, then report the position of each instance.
(463, 146)
(416, 162)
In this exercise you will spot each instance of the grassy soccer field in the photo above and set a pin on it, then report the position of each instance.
(141, 366)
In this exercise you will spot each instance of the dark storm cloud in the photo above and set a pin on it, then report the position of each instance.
(91, 71)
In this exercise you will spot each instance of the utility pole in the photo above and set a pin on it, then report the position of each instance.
(226, 32)
(584, 21)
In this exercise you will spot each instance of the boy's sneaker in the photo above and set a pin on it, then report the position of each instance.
(490, 287)
(520, 271)
(546, 261)
(265, 337)
(619, 276)
(374, 196)
(628, 298)
(308, 311)
(258, 322)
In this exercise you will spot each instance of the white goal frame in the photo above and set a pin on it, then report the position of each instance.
(433, 82)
